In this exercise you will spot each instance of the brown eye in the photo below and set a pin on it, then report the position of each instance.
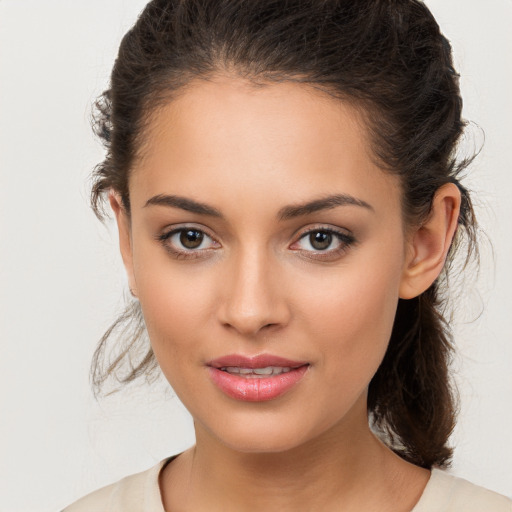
(188, 243)
(324, 243)
(320, 240)
(191, 238)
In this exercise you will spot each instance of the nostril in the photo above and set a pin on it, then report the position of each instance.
(250, 326)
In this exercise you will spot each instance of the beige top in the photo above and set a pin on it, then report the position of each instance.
(141, 493)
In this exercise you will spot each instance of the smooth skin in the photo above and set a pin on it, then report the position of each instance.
(245, 160)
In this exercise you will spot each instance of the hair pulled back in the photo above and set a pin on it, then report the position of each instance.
(388, 58)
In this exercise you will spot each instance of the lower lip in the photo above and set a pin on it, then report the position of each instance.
(256, 389)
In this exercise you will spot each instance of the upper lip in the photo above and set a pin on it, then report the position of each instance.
(260, 361)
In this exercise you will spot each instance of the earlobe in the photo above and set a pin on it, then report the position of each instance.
(125, 241)
(430, 242)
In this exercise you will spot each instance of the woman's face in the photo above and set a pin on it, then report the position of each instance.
(261, 229)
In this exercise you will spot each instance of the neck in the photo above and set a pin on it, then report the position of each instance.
(345, 466)
(290, 479)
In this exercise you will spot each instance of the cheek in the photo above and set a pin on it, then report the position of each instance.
(351, 312)
(176, 303)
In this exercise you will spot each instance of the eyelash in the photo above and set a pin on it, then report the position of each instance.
(345, 242)
(164, 239)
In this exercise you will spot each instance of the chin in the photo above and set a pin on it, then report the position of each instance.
(263, 435)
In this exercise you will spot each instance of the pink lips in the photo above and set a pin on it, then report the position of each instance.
(232, 374)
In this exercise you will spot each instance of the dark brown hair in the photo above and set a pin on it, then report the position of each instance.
(389, 59)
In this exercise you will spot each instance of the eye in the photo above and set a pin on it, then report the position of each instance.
(187, 242)
(323, 243)
(319, 240)
(189, 238)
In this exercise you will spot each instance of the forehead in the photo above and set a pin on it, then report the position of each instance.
(286, 141)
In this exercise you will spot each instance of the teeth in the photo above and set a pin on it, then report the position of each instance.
(264, 372)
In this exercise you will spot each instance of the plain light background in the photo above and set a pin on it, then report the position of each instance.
(61, 281)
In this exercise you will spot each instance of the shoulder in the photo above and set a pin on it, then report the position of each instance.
(447, 493)
(137, 492)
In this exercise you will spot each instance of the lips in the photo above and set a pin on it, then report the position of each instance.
(256, 379)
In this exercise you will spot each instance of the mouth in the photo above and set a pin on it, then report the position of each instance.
(256, 372)
(256, 379)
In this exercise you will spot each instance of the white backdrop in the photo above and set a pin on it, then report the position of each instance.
(61, 281)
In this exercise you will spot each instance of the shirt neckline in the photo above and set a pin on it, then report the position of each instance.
(154, 502)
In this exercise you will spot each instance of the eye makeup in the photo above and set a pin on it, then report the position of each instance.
(322, 243)
(319, 239)
(195, 242)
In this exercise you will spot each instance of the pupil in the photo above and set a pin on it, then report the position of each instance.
(320, 240)
(191, 239)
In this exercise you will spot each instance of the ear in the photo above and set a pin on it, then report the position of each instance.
(125, 238)
(430, 242)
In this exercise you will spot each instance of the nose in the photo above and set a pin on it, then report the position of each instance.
(253, 295)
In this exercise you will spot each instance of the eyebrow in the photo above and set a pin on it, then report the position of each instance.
(285, 213)
(184, 203)
(324, 203)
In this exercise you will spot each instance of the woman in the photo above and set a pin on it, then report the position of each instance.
(285, 188)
